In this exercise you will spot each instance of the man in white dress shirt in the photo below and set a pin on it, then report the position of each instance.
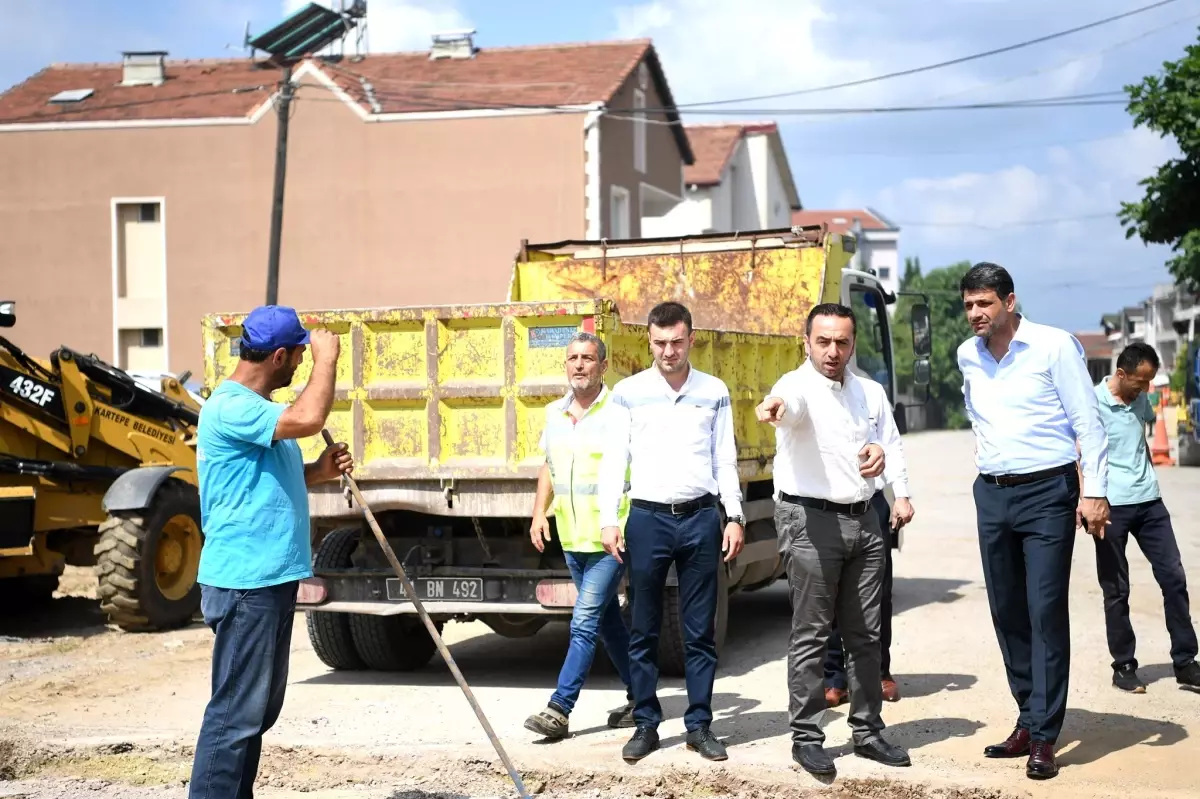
(672, 428)
(895, 474)
(827, 455)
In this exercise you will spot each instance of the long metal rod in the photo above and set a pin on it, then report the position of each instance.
(437, 638)
(285, 104)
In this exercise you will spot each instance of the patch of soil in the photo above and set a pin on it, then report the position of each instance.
(435, 777)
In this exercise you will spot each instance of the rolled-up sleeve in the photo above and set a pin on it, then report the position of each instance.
(614, 466)
(1074, 387)
(789, 389)
(895, 469)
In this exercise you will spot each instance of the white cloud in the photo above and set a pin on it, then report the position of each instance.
(716, 49)
(395, 25)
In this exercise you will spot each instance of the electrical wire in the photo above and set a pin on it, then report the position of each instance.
(930, 67)
(83, 108)
(1007, 225)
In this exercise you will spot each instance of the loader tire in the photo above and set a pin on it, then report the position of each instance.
(672, 656)
(392, 643)
(147, 560)
(329, 633)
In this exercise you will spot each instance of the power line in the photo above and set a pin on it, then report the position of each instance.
(1043, 70)
(930, 67)
(1007, 225)
(83, 108)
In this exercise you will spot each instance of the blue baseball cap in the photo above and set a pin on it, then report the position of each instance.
(269, 327)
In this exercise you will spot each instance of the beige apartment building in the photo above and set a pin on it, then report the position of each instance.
(137, 194)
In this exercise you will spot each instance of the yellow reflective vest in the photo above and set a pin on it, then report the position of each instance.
(573, 453)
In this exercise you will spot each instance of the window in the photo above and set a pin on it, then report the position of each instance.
(872, 349)
(639, 130)
(148, 212)
(884, 273)
(151, 337)
(618, 210)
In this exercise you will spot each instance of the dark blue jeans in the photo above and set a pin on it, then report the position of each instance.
(835, 655)
(1026, 539)
(1150, 525)
(653, 541)
(596, 613)
(249, 674)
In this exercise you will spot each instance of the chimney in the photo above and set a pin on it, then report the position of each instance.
(146, 68)
(453, 44)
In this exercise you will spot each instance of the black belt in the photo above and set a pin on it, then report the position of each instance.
(849, 508)
(676, 508)
(1027, 477)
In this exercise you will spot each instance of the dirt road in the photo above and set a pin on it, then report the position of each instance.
(78, 700)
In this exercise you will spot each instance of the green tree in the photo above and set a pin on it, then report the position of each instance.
(950, 329)
(1169, 212)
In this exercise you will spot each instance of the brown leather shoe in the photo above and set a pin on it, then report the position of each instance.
(836, 696)
(1041, 765)
(1016, 745)
(891, 692)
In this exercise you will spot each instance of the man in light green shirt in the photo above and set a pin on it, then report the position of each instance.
(1138, 510)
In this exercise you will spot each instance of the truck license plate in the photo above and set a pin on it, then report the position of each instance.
(435, 589)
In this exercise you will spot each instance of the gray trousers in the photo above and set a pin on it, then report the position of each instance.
(835, 566)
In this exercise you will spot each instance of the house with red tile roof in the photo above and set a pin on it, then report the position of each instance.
(740, 180)
(145, 185)
(878, 239)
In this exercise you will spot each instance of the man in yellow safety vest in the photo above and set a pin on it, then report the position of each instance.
(573, 442)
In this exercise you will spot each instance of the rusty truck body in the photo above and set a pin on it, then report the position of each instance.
(443, 407)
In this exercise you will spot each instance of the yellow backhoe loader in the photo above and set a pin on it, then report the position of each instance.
(98, 470)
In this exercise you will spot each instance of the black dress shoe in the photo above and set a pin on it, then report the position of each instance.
(813, 759)
(643, 742)
(703, 741)
(1041, 765)
(883, 752)
(1016, 745)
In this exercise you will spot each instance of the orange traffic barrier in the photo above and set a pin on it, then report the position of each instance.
(1160, 450)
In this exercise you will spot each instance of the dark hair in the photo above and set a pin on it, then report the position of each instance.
(1134, 355)
(831, 309)
(983, 276)
(257, 356)
(669, 314)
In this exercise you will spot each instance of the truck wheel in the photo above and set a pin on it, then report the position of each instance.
(392, 643)
(147, 560)
(329, 633)
(511, 626)
(671, 654)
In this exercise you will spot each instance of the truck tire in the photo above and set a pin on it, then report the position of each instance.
(392, 643)
(329, 633)
(147, 560)
(672, 657)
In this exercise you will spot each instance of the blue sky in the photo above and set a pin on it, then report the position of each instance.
(961, 185)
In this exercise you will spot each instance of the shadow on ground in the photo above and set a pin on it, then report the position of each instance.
(759, 625)
(47, 618)
(1101, 734)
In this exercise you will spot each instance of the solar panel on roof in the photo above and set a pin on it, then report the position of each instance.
(306, 31)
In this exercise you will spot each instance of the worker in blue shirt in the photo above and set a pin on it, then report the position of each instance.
(1138, 511)
(254, 510)
(1030, 401)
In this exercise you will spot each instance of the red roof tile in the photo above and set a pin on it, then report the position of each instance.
(550, 75)
(194, 90)
(713, 145)
(1095, 345)
(841, 221)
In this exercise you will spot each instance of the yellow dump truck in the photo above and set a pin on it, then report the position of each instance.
(443, 409)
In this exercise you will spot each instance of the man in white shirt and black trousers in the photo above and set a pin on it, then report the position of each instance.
(672, 425)
(827, 455)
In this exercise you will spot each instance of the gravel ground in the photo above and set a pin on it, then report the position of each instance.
(76, 688)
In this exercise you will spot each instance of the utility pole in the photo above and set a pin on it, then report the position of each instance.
(285, 103)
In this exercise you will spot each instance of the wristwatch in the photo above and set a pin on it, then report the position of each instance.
(741, 520)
